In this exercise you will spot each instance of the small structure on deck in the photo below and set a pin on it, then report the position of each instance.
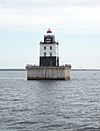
(48, 68)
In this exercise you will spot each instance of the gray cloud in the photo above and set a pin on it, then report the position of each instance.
(46, 3)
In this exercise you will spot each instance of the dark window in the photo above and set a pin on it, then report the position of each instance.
(44, 53)
(44, 47)
(50, 47)
(50, 53)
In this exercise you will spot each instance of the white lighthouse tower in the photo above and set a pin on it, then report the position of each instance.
(48, 68)
(49, 50)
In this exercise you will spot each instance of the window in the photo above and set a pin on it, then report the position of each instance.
(44, 53)
(44, 47)
(50, 47)
(50, 53)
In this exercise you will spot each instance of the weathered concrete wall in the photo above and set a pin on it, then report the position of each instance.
(48, 73)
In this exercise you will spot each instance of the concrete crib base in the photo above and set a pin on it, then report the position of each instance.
(48, 73)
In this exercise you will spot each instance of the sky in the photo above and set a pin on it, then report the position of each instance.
(75, 24)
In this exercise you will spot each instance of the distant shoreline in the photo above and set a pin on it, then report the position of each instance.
(12, 69)
(71, 69)
(85, 69)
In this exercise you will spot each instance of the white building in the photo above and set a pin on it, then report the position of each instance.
(49, 50)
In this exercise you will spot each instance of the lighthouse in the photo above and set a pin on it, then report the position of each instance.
(48, 68)
(49, 50)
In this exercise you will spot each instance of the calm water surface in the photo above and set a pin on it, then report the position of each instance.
(50, 105)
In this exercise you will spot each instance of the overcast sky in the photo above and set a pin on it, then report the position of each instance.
(75, 23)
(45, 3)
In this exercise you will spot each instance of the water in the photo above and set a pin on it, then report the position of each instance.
(50, 105)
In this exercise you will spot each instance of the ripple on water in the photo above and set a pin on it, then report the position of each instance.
(50, 105)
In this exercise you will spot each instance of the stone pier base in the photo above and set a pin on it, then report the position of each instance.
(48, 73)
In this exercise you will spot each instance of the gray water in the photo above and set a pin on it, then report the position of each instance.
(72, 105)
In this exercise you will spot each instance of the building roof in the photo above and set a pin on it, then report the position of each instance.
(49, 31)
